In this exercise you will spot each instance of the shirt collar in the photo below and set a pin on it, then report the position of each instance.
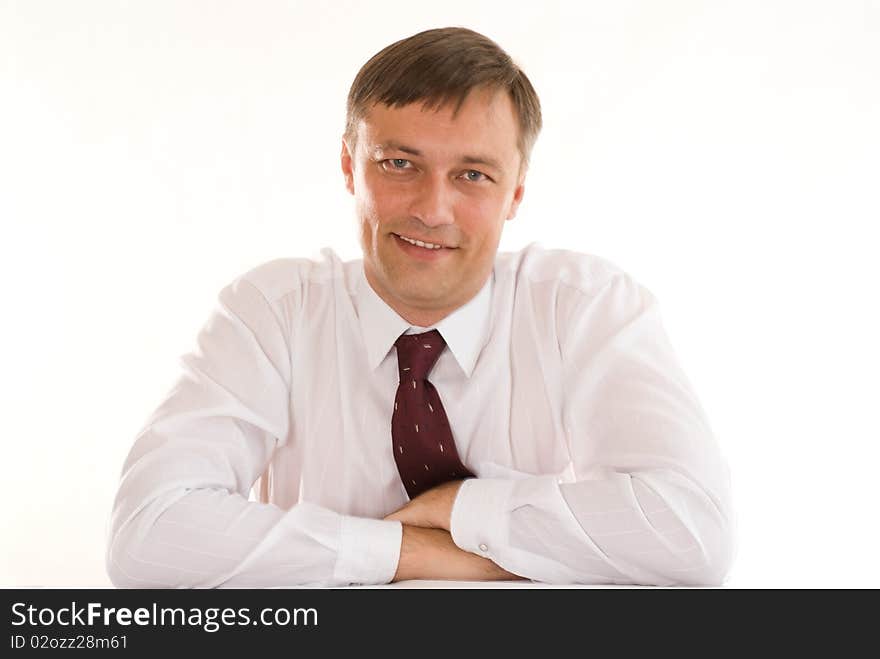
(465, 330)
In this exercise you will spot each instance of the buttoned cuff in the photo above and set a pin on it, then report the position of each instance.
(479, 519)
(369, 550)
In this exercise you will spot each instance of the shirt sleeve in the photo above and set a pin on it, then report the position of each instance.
(651, 499)
(181, 517)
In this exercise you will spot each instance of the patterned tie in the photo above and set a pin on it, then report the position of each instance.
(422, 440)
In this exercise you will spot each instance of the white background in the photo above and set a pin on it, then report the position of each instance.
(727, 154)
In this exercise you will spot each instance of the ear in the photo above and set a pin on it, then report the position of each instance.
(517, 198)
(347, 167)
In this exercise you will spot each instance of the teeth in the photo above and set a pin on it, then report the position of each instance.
(420, 243)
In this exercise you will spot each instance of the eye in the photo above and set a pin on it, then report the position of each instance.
(396, 164)
(474, 176)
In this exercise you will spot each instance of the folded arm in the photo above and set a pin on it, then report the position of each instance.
(181, 517)
(650, 503)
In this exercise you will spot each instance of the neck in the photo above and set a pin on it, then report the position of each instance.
(420, 316)
(415, 315)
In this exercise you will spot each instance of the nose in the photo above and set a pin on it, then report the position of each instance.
(433, 201)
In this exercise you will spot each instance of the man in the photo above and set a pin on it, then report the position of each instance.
(436, 410)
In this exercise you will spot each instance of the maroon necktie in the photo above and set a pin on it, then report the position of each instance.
(422, 440)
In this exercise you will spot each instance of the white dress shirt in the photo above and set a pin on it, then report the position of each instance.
(594, 460)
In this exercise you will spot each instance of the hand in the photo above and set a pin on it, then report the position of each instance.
(432, 509)
(431, 554)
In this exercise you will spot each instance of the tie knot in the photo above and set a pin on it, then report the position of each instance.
(416, 354)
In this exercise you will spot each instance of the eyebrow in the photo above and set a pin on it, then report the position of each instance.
(477, 159)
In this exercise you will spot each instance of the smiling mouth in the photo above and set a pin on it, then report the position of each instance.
(423, 244)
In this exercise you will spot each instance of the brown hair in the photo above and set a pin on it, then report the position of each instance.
(439, 66)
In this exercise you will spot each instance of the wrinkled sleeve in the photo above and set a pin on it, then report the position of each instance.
(651, 499)
(181, 517)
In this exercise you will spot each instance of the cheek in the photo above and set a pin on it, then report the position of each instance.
(368, 206)
(377, 202)
(479, 218)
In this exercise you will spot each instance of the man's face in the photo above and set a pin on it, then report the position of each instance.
(423, 175)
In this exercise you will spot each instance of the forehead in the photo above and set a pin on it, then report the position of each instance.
(485, 122)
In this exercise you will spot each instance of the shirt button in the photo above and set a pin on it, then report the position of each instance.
(483, 547)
